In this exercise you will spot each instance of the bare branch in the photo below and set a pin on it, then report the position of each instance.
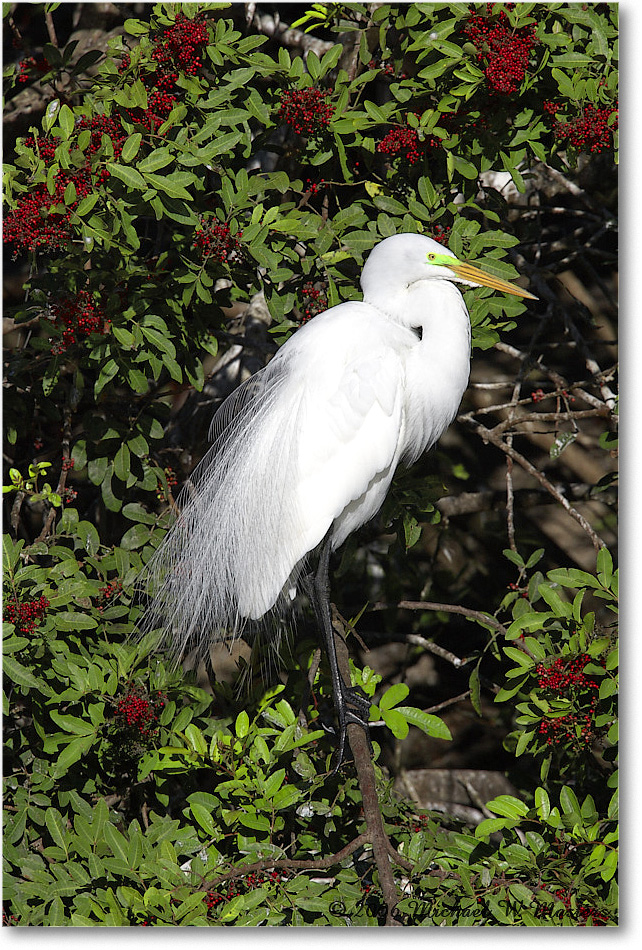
(489, 436)
(51, 30)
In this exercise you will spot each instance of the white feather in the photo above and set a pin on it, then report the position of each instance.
(310, 444)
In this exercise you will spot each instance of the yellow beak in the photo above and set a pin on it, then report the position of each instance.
(467, 272)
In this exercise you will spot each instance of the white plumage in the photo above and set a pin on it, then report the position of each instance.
(309, 445)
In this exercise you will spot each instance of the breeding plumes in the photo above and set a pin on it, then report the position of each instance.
(304, 452)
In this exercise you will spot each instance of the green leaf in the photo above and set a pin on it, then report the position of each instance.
(432, 725)
(569, 802)
(135, 537)
(19, 674)
(131, 146)
(71, 620)
(129, 176)
(490, 825)
(286, 797)
(136, 27)
(542, 802)
(116, 842)
(66, 120)
(159, 158)
(203, 817)
(172, 185)
(393, 695)
(122, 463)
(56, 827)
(564, 84)
(475, 690)
(72, 724)
(242, 725)
(72, 753)
(508, 806)
(396, 722)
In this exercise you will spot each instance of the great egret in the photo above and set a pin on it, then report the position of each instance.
(305, 450)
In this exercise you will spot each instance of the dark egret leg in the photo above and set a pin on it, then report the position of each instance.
(345, 696)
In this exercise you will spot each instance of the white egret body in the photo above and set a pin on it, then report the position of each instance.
(306, 449)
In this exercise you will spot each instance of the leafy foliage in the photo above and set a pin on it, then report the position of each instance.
(146, 207)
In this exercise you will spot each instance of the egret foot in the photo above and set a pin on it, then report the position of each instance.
(346, 697)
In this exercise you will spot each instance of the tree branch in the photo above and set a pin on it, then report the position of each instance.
(376, 834)
(489, 436)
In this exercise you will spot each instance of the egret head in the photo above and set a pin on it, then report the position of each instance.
(405, 259)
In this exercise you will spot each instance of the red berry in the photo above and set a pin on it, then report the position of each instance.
(307, 110)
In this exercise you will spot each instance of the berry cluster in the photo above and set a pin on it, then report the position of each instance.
(46, 148)
(314, 301)
(32, 68)
(79, 316)
(109, 592)
(404, 142)
(569, 679)
(172, 482)
(314, 186)
(137, 713)
(564, 676)
(180, 47)
(590, 131)
(551, 108)
(419, 823)
(68, 464)
(215, 242)
(176, 49)
(523, 592)
(585, 911)
(98, 126)
(307, 111)
(387, 68)
(504, 50)
(251, 881)
(440, 233)
(25, 615)
(41, 220)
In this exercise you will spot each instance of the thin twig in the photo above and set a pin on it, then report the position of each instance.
(62, 481)
(448, 702)
(417, 640)
(489, 436)
(289, 864)
(477, 615)
(51, 30)
(447, 608)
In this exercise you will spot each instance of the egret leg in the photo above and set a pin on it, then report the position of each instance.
(345, 696)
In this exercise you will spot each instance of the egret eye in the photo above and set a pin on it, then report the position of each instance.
(431, 256)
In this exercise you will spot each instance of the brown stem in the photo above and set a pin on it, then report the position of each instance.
(15, 510)
(289, 864)
(51, 30)
(454, 609)
(62, 481)
(489, 436)
(376, 834)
